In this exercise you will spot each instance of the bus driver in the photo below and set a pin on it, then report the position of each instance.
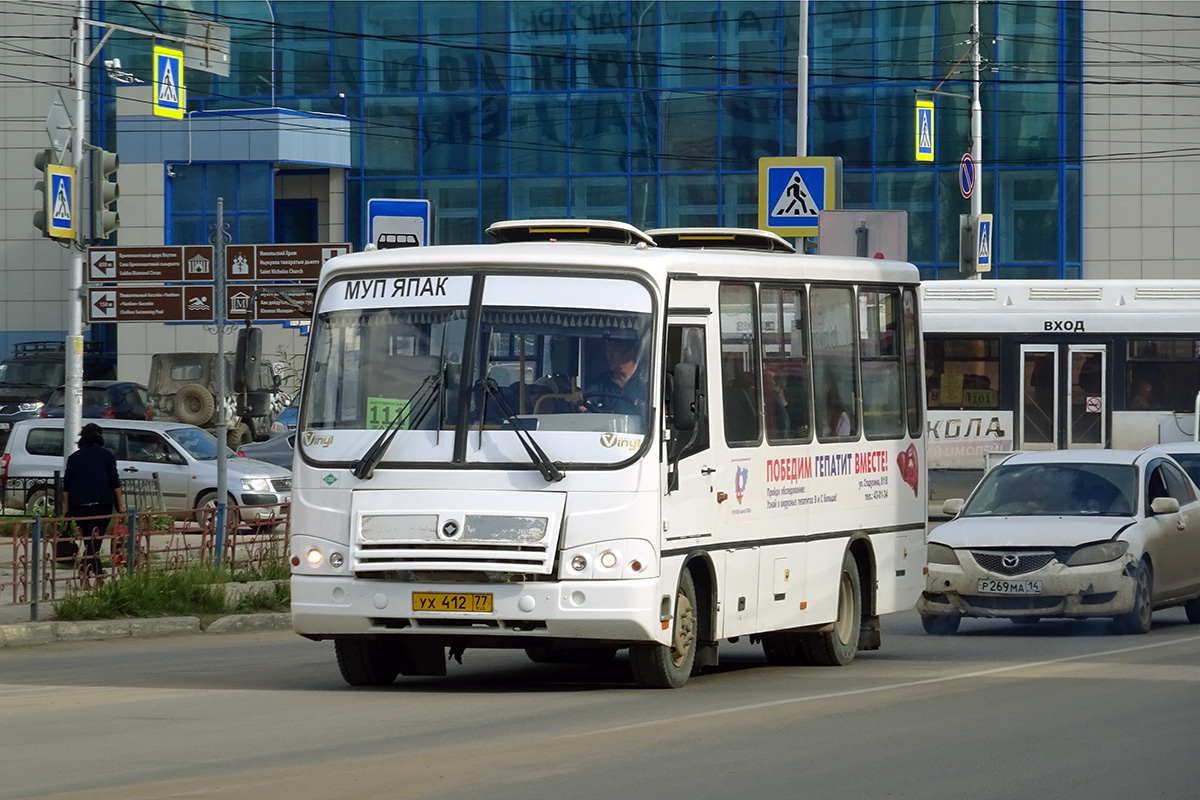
(623, 390)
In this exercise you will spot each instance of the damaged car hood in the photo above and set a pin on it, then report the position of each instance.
(976, 532)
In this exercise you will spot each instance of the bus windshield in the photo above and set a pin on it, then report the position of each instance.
(564, 358)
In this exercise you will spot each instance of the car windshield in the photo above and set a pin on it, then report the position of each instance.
(1055, 490)
(1190, 463)
(377, 356)
(32, 373)
(199, 444)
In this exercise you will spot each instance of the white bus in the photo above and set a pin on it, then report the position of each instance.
(1047, 365)
(574, 441)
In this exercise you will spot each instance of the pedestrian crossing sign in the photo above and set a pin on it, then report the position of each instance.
(924, 130)
(60, 202)
(168, 82)
(792, 193)
(983, 256)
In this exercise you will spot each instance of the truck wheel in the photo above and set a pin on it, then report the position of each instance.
(194, 404)
(238, 436)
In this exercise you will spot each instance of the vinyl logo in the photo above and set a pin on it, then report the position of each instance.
(612, 440)
(312, 439)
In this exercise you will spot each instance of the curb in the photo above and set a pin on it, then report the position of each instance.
(35, 633)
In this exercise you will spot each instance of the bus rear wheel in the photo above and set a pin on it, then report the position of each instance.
(660, 666)
(367, 662)
(837, 647)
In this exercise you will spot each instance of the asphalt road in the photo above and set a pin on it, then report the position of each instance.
(1053, 710)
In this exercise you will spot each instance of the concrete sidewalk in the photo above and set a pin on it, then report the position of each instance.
(17, 630)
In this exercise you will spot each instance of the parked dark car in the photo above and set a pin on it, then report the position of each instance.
(104, 400)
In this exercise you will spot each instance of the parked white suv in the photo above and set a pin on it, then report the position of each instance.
(183, 457)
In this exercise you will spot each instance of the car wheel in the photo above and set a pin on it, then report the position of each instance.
(1192, 607)
(1137, 619)
(208, 500)
(943, 625)
(367, 662)
(660, 666)
(837, 648)
(40, 503)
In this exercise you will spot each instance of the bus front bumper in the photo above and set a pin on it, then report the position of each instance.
(611, 611)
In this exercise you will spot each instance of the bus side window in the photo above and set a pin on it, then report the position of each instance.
(787, 408)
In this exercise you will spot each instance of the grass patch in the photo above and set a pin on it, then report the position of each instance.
(194, 592)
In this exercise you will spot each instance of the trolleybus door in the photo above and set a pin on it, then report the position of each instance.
(1037, 412)
(1087, 396)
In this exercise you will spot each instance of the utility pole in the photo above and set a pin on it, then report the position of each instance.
(976, 131)
(73, 401)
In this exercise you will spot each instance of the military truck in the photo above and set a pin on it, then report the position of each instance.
(183, 387)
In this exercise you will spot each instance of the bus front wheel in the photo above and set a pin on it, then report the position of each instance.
(659, 666)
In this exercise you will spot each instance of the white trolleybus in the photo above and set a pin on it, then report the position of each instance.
(1048, 365)
(575, 441)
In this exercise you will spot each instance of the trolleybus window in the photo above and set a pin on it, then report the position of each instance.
(1162, 374)
(963, 373)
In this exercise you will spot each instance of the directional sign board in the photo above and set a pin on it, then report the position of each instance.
(395, 221)
(161, 263)
(268, 306)
(983, 255)
(168, 83)
(151, 304)
(924, 130)
(279, 262)
(792, 193)
(61, 201)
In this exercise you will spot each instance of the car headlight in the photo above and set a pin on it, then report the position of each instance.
(940, 554)
(29, 406)
(278, 427)
(256, 484)
(1097, 553)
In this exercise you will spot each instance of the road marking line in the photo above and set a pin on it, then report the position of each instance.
(875, 689)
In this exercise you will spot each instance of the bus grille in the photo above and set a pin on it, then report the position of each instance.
(443, 556)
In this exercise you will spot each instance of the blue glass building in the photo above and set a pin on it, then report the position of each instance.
(655, 113)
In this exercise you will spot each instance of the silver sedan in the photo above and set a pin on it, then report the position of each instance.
(1100, 533)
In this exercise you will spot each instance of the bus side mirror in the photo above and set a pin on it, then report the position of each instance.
(685, 390)
(245, 365)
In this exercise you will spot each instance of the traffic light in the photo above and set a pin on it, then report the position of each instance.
(105, 220)
(42, 160)
(968, 245)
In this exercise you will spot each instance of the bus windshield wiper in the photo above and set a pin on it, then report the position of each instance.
(421, 400)
(537, 455)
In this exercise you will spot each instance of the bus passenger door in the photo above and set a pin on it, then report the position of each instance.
(1087, 397)
(689, 502)
(1037, 426)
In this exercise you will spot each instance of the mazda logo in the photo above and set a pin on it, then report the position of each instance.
(1010, 561)
(450, 529)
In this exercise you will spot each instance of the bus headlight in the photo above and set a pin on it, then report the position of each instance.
(335, 559)
(313, 557)
(623, 558)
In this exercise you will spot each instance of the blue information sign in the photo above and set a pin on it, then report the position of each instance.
(398, 223)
